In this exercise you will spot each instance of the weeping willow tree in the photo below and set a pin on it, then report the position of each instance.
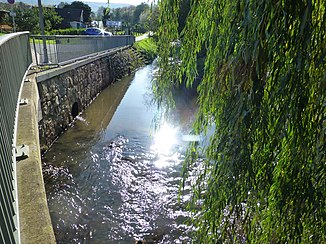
(263, 91)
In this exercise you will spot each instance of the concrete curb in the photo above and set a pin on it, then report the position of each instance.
(48, 74)
(35, 221)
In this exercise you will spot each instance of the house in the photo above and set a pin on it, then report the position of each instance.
(4, 27)
(77, 24)
(72, 18)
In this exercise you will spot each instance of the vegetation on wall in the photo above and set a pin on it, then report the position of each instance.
(263, 90)
(69, 31)
(147, 47)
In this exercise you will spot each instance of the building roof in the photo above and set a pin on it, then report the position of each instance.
(3, 12)
(69, 14)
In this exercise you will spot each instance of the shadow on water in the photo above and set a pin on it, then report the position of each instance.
(112, 177)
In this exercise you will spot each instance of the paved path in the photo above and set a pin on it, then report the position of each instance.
(139, 38)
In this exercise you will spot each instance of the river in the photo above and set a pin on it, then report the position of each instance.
(114, 176)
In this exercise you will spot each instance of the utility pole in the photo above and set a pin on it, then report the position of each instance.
(45, 52)
(12, 14)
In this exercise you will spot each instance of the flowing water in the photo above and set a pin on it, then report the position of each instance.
(114, 176)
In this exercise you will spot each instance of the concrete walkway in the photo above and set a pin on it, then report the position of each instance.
(34, 217)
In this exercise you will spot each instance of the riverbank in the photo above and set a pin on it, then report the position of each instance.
(148, 48)
(34, 217)
(68, 90)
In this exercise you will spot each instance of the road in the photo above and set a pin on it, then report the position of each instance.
(77, 47)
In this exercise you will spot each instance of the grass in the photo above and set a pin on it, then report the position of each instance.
(148, 47)
(122, 32)
(40, 41)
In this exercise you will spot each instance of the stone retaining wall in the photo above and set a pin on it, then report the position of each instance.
(66, 91)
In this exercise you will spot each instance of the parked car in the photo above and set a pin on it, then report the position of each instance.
(97, 32)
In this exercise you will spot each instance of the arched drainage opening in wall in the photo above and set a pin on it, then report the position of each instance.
(74, 110)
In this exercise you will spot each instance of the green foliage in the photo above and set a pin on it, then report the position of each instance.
(106, 13)
(51, 18)
(263, 90)
(4, 17)
(184, 5)
(69, 31)
(62, 4)
(147, 47)
(27, 18)
(107, 10)
(124, 14)
(140, 18)
(99, 13)
(80, 5)
(143, 7)
(148, 19)
(138, 28)
(153, 18)
(5, 6)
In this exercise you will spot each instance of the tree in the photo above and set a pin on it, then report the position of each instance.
(153, 20)
(92, 16)
(80, 5)
(148, 19)
(62, 4)
(52, 19)
(144, 18)
(263, 93)
(4, 17)
(5, 6)
(106, 14)
(143, 7)
(99, 14)
(107, 10)
(124, 14)
(185, 7)
(27, 18)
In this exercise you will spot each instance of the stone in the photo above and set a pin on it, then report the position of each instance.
(44, 89)
(57, 101)
(47, 96)
(81, 84)
(52, 88)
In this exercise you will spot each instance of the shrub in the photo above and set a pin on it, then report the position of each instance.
(70, 31)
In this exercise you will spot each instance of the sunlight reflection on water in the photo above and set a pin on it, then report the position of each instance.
(165, 138)
(113, 178)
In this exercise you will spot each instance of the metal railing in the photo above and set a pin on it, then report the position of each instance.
(63, 48)
(15, 59)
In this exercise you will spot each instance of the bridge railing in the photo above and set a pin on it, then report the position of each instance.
(15, 59)
(60, 49)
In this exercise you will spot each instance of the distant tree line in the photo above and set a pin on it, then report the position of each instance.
(140, 18)
(27, 17)
(87, 10)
